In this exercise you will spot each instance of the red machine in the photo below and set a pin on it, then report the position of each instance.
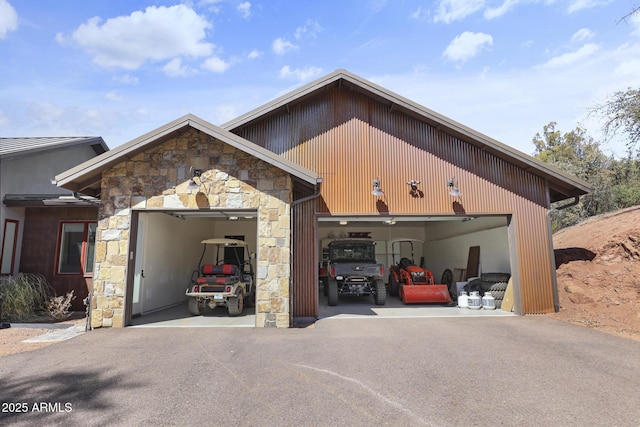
(414, 284)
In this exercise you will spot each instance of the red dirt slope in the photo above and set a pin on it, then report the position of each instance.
(598, 270)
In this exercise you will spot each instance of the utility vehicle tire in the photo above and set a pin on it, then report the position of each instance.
(380, 297)
(497, 295)
(236, 304)
(333, 292)
(500, 286)
(393, 285)
(325, 288)
(447, 279)
(495, 277)
(196, 307)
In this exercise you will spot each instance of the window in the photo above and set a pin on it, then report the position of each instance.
(9, 241)
(76, 248)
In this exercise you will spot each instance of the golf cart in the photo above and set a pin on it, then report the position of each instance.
(224, 277)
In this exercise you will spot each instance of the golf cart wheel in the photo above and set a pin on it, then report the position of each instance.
(325, 288)
(196, 307)
(236, 304)
(380, 297)
(393, 285)
(333, 292)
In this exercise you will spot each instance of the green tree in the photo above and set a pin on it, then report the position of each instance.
(578, 154)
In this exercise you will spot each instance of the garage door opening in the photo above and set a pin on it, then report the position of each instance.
(441, 245)
(168, 251)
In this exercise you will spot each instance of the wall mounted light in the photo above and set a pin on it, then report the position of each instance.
(195, 174)
(377, 191)
(453, 185)
(389, 221)
(343, 222)
(414, 192)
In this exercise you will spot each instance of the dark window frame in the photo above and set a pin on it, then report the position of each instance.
(84, 249)
(4, 243)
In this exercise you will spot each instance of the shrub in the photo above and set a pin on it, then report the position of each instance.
(22, 296)
(58, 307)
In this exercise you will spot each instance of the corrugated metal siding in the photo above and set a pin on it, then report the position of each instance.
(349, 140)
(305, 279)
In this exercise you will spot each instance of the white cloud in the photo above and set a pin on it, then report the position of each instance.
(635, 22)
(310, 28)
(216, 65)
(8, 19)
(244, 9)
(156, 34)
(582, 34)
(466, 46)
(174, 68)
(126, 79)
(572, 57)
(254, 54)
(419, 13)
(301, 74)
(4, 120)
(496, 12)
(454, 10)
(281, 46)
(114, 96)
(577, 5)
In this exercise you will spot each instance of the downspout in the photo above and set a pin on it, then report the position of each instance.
(554, 279)
(294, 203)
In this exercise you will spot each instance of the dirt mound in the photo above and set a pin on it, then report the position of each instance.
(598, 270)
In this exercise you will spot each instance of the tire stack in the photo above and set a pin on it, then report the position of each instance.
(496, 283)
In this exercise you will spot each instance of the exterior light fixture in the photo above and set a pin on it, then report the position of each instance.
(343, 222)
(232, 218)
(376, 188)
(414, 192)
(389, 221)
(453, 185)
(195, 173)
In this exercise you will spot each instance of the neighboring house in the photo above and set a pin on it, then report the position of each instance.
(299, 171)
(46, 229)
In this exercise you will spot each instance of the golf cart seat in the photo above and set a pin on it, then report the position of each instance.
(224, 273)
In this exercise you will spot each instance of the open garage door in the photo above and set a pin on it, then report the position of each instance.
(168, 250)
(441, 245)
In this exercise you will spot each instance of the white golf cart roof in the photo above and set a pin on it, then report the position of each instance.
(225, 242)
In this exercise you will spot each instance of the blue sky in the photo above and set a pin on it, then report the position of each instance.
(120, 68)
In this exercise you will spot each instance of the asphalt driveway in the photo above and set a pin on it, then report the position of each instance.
(524, 371)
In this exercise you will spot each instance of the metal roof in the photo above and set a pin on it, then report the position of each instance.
(10, 147)
(86, 177)
(562, 185)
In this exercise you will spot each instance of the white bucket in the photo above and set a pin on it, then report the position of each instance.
(474, 301)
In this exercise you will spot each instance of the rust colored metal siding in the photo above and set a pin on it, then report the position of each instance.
(304, 275)
(350, 139)
(39, 248)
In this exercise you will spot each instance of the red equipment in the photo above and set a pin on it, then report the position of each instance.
(412, 283)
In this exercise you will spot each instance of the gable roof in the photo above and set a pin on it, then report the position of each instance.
(13, 147)
(562, 185)
(85, 178)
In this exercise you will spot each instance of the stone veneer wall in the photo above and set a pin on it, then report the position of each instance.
(157, 180)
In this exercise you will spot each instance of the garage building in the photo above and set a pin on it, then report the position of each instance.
(299, 171)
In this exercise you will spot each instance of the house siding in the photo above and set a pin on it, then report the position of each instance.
(157, 179)
(350, 139)
(41, 226)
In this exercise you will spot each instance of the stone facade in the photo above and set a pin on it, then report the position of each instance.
(157, 179)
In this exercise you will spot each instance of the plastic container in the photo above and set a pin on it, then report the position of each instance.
(474, 301)
(463, 300)
(488, 301)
